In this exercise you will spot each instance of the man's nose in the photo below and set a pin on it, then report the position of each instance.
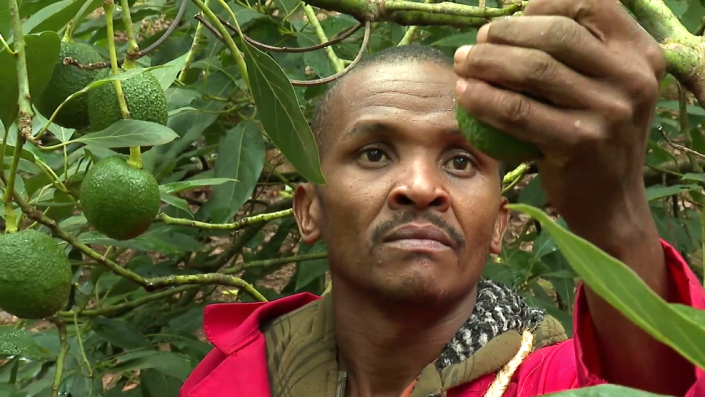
(420, 187)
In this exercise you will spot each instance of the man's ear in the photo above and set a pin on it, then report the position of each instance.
(500, 227)
(308, 213)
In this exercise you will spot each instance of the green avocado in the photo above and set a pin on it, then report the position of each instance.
(494, 142)
(35, 275)
(144, 97)
(118, 199)
(66, 80)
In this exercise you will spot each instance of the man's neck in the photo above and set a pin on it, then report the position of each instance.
(383, 348)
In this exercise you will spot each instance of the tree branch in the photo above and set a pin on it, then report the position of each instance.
(242, 223)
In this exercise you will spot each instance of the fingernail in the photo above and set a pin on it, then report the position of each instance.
(462, 53)
(460, 86)
(482, 33)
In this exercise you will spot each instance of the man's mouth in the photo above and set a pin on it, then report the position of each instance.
(420, 236)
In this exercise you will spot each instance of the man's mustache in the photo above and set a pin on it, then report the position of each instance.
(402, 218)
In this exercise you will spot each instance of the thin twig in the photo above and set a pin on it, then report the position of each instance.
(680, 147)
(241, 224)
(205, 279)
(268, 47)
(61, 358)
(358, 58)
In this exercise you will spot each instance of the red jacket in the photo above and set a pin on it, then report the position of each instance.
(238, 364)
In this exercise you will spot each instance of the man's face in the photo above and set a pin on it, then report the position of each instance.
(410, 211)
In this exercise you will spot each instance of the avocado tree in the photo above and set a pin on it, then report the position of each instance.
(151, 147)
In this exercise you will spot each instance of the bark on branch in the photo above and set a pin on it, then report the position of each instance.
(684, 51)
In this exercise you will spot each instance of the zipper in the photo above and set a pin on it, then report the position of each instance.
(342, 382)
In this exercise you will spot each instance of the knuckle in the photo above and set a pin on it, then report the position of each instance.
(542, 68)
(563, 33)
(587, 135)
(516, 109)
(643, 86)
(618, 112)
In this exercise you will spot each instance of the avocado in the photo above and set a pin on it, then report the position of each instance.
(118, 199)
(35, 275)
(144, 97)
(66, 80)
(494, 142)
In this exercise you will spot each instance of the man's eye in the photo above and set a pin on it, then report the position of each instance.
(459, 163)
(372, 155)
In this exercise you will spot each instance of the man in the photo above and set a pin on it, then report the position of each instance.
(410, 212)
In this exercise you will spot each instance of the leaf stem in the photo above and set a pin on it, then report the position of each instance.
(685, 127)
(24, 122)
(194, 48)
(229, 42)
(61, 358)
(241, 224)
(109, 7)
(7, 47)
(133, 49)
(316, 24)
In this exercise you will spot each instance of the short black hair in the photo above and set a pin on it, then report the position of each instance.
(390, 56)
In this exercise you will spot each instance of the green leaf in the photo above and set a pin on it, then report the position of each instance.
(168, 363)
(604, 391)
(317, 60)
(167, 75)
(18, 342)
(53, 17)
(679, 7)
(626, 291)
(39, 121)
(5, 27)
(42, 52)
(174, 201)
(120, 333)
(286, 5)
(694, 177)
(176, 187)
(457, 40)
(158, 384)
(240, 157)
(280, 114)
(126, 133)
(533, 194)
(659, 191)
(313, 269)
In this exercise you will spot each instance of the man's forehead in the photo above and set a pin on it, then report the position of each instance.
(411, 87)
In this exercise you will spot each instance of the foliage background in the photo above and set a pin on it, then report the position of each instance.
(127, 341)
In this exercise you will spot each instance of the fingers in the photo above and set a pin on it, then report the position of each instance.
(605, 19)
(561, 37)
(553, 130)
(531, 71)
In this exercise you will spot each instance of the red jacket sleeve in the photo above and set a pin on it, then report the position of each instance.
(586, 352)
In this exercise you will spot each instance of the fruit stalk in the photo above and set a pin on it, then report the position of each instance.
(109, 6)
(61, 359)
(194, 48)
(241, 224)
(133, 49)
(313, 20)
(24, 121)
(229, 42)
